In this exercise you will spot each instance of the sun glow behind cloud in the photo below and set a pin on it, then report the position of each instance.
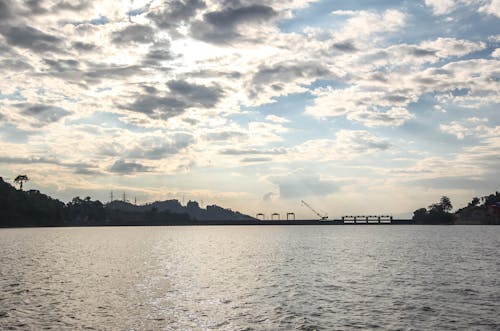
(253, 105)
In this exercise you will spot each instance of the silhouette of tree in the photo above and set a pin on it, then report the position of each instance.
(420, 214)
(475, 201)
(20, 179)
(445, 203)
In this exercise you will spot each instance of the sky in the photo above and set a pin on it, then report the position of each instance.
(356, 107)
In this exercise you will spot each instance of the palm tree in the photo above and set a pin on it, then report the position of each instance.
(20, 179)
(445, 203)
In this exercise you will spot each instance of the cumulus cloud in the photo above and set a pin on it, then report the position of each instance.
(347, 145)
(222, 26)
(284, 78)
(472, 126)
(362, 25)
(370, 107)
(159, 86)
(443, 7)
(491, 7)
(440, 7)
(44, 114)
(181, 96)
(128, 167)
(142, 34)
(31, 38)
(177, 11)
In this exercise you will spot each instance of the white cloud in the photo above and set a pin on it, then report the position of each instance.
(362, 25)
(370, 107)
(491, 7)
(443, 7)
(347, 145)
(472, 126)
(440, 7)
(276, 119)
(446, 47)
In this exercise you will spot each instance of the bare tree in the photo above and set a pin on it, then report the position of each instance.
(20, 179)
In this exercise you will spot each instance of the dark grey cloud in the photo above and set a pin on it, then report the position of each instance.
(297, 185)
(6, 11)
(150, 89)
(420, 52)
(157, 54)
(62, 65)
(15, 65)
(222, 26)
(157, 106)
(284, 73)
(45, 114)
(31, 38)
(426, 81)
(195, 94)
(141, 34)
(84, 47)
(397, 98)
(345, 46)
(181, 96)
(123, 167)
(231, 17)
(175, 12)
(216, 74)
(256, 159)
(379, 77)
(232, 151)
(96, 72)
(73, 5)
(164, 149)
(35, 7)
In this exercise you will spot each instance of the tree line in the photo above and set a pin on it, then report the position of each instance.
(31, 208)
(484, 210)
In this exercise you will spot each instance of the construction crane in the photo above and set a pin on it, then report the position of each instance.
(322, 217)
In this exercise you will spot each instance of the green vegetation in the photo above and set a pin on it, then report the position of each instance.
(475, 213)
(484, 210)
(437, 213)
(31, 208)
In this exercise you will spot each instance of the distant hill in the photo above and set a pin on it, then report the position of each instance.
(211, 213)
(31, 209)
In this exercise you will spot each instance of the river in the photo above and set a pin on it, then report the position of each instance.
(251, 278)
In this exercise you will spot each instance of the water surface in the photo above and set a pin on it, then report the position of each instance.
(251, 278)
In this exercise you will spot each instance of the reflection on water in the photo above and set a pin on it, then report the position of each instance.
(251, 278)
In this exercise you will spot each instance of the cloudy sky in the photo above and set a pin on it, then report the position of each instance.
(354, 106)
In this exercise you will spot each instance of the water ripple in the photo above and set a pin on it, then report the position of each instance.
(250, 278)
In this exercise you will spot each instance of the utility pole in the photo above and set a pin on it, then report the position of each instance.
(111, 196)
(124, 197)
